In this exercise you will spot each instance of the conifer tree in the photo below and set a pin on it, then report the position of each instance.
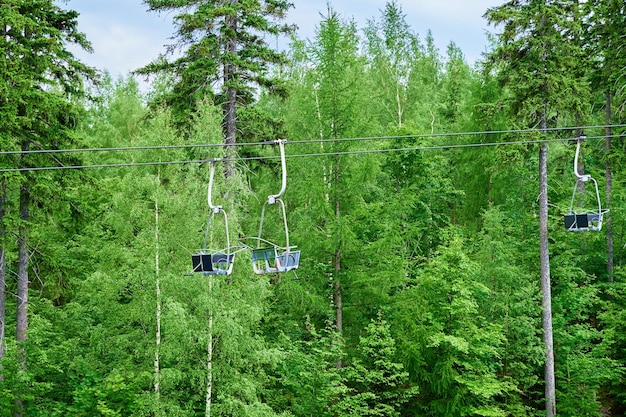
(40, 76)
(328, 91)
(225, 55)
(2, 272)
(376, 384)
(605, 45)
(535, 57)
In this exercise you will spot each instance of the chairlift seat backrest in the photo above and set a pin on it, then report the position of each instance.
(575, 222)
(264, 260)
(202, 262)
(213, 264)
(593, 217)
(221, 258)
(583, 222)
(263, 254)
(268, 260)
(289, 260)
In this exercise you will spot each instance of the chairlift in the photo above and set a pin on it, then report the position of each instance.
(214, 261)
(268, 257)
(582, 220)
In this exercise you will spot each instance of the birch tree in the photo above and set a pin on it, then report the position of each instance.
(392, 50)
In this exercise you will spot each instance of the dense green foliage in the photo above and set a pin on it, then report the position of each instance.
(418, 291)
(225, 54)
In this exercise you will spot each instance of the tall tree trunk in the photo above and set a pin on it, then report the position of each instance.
(337, 293)
(337, 262)
(22, 288)
(22, 270)
(157, 350)
(609, 188)
(544, 255)
(3, 199)
(230, 107)
(399, 109)
(209, 354)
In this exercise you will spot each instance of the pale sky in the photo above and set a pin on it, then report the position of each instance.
(125, 36)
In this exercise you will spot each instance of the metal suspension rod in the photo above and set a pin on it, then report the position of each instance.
(583, 178)
(214, 209)
(272, 198)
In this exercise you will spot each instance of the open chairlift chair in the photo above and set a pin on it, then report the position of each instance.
(214, 261)
(582, 220)
(271, 258)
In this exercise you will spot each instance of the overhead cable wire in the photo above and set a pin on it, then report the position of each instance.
(453, 134)
(320, 154)
(305, 141)
(132, 148)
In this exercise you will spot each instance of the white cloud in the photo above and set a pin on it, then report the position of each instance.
(122, 48)
(466, 13)
(125, 36)
(458, 21)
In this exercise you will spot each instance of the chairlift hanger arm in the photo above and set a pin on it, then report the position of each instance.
(583, 219)
(275, 259)
(582, 177)
(274, 197)
(214, 209)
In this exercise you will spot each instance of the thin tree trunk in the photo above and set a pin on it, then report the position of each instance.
(231, 130)
(209, 353)
(327, 183)
(230, 110)
(609, 188)
(157, 350)
(337, 293)
(3, 199)
(22, 288)
(399, 104)
(2, 303)
(22, 271)
(337, 262)
(544, 254)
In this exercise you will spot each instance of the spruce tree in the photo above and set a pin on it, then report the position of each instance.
(377, 385)
(535, 57)
(604, 44)
(40, 77)
(225, 56)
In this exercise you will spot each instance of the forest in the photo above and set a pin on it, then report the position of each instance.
(426, 199)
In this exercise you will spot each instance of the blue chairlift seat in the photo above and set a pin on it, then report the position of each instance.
(213, 264)
(270, 260)
(289, 260)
